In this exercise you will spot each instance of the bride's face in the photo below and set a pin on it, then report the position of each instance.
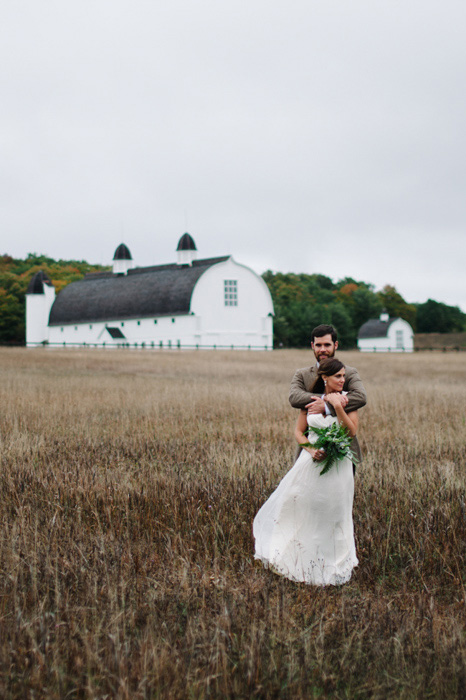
(336, 382)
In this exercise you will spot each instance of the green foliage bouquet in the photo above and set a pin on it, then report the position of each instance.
(336, 443)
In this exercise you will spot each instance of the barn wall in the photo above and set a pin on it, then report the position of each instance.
(37, 315)
(249, 323)
(408, 335)
(170, 331)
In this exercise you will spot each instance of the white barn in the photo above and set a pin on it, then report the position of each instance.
(386, 334)
(209, 303)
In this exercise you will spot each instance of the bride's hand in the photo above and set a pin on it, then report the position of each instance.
(317, 455)
(336, 400)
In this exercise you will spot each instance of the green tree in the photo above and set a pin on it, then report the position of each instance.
(435, 317)
(302, 302)
(341, 319)
(396, 306)
(11, 316)
(15, 275)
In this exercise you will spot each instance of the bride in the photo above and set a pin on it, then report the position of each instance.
(305, 529)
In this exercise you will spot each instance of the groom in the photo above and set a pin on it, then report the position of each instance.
(324, 343)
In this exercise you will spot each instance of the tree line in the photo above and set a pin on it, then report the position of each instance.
(301, 302)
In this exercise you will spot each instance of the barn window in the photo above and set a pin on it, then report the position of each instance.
(230, 292)
(399, 339)
(90, 326)
(155, 320)
(139, 323)
(173, 320)
(122, 323)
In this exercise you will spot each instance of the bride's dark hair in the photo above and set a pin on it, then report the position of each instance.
(328, 367)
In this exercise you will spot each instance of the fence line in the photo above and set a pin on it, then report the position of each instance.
(180, 346)
(445, 348)
(152, 345)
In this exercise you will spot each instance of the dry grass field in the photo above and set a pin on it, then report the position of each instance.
(129, 481)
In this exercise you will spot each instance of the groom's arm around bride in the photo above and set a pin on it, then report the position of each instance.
(305, 391)
(303, 383)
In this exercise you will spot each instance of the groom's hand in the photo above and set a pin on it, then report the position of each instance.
(317, 405)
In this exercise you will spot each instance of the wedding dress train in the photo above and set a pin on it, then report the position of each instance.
(304, 531)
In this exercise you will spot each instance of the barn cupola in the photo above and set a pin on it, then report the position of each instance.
(122, 260)
(186, 250)
(384, 316)
(36, 284)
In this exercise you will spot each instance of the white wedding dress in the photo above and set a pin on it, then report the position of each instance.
(305, 529)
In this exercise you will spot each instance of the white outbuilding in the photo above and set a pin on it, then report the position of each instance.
(208, 303)
(386, 334)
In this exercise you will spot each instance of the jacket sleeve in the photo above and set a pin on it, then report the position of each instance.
(357, 397)
(299, 396)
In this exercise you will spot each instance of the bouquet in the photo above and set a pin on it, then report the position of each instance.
(336, 443)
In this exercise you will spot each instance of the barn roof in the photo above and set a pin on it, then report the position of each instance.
(375, 328)
(161, 290)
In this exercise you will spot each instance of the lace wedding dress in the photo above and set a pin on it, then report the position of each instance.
(305, 529)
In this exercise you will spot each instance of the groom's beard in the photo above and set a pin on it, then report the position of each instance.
(324, 355)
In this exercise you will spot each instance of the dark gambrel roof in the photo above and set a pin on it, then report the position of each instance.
(36, 284)
(375, 328)
(162, 290)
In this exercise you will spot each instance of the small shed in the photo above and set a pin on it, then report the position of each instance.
(386, 334)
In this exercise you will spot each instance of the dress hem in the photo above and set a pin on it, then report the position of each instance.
(336, 579)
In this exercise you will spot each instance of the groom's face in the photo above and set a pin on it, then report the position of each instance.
(324, 347)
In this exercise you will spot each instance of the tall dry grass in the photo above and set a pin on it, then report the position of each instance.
(129, 482)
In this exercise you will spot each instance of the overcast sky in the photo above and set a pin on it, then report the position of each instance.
(308, 136)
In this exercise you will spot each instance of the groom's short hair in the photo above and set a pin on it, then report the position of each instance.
(320, 331)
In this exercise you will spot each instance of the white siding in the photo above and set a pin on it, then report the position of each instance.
(248, 323)
(170, 331)
(37, 315)
(398, 330)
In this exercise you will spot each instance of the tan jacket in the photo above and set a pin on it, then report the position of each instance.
(301, 394)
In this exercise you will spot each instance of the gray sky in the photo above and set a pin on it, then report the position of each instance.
(308, 136)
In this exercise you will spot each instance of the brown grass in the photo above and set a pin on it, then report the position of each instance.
(129, 482)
